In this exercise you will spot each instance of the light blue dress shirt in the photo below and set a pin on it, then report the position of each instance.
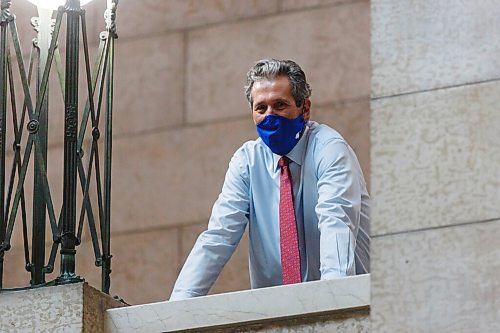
(331, 207)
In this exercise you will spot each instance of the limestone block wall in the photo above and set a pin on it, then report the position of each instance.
(435, 179)
(180, 113)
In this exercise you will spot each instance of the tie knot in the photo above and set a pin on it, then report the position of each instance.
(283, 161)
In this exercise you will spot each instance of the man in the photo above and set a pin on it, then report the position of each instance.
(299, 188)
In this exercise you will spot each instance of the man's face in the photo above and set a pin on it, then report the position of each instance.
(274, 96)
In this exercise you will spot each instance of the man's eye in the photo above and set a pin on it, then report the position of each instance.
(280, 105)
(260, 108)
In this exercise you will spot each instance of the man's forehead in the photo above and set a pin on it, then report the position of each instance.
(279, 85)
(277, 78)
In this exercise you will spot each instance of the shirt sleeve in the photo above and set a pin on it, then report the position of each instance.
(338, 208)
(226, 226)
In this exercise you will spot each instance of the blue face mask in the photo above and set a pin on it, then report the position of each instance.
(280, 134)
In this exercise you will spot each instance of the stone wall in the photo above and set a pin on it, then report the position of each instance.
(180, 114)
(435, 178)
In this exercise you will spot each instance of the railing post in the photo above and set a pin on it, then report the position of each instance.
(68, 223)
(39, 199)
(106, 246)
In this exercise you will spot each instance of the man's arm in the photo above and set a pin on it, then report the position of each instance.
(215, 246)
(340, 187)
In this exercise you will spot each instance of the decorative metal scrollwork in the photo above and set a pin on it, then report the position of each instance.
(6, 15)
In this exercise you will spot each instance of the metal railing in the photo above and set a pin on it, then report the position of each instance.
(32, 119)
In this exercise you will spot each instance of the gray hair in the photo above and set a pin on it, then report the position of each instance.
(272, 68)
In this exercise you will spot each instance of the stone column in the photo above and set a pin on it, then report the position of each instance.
(67, 308)
(435, 165)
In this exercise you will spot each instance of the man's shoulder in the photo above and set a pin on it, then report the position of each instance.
(321, 134)
(254, 146)
(251, 144)
(253, 150)
(328, 147)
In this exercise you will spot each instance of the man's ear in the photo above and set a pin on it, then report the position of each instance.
(306, 109)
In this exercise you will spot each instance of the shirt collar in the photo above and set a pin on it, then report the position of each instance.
(295, 155)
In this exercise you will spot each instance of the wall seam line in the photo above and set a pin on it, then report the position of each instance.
(396, 233)
(467, 84)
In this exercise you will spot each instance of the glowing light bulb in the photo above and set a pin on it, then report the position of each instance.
(54, 4)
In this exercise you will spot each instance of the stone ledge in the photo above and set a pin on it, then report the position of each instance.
(321, 299)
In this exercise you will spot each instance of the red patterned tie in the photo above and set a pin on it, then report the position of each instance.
(289, 242)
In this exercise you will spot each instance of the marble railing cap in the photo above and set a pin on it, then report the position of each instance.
(243, 306)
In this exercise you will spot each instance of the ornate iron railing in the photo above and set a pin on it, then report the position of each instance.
(32, 119)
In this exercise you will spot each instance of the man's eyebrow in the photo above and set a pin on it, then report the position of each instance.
(277, 100)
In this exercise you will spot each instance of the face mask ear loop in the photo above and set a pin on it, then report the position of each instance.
(304, 111)
(303, 115)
